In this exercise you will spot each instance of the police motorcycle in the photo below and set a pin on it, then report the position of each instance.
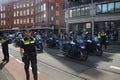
(75, 49)
(38, 41)
(18, 39)
(52, 42)
(93, 46)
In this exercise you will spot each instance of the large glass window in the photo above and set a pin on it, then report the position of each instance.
(74, 12)
(104, 8)
(82, 11)
(99, 8)
(78, 11)
(70, 13)
(117, 7)
(87, 10)
(110, 7)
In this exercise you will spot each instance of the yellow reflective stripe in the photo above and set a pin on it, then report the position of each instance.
(28, 42)
(32, 41)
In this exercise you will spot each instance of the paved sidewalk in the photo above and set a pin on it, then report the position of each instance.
(5, 75)
(14, 70)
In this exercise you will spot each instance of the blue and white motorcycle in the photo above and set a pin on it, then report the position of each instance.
(94, 47)
(39, 43)
(75, 49)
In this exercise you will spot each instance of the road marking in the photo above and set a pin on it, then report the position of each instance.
(11, 56)
(114, 67)
(31, 69)
(19, 60)
(38, 72)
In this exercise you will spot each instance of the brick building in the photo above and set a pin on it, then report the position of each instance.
(37, 14)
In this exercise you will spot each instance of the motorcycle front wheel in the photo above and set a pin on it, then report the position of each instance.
(83, 55)
(99, 52)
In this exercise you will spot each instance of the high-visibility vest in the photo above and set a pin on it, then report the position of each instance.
(26, 42)
(99, 36)
(103, 34)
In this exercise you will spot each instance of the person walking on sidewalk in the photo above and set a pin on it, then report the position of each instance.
(4, 43)
(28, 53)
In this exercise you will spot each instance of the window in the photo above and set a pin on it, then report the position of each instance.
(20, 21)
(32, 20)
(57, 22)
(17, 13)
(14, 6)
(78, 11)
(117, 7)
(17, 21)
(14, 14)
(110, 7)
(74, 12)
(70, 13)
(44, 17)
(32, 11)
(24, 5)
(104, 8)
(17, 5)
(24, 20)
(2, 8)
(28, 12)
(20, 5)
(24, 12)
(44, 6)
(99, 8)
(87, 11)
(52, 8)
(52, 18)
(14, 21)
(21, 13)
(27, 20)
(82, 11)
(27, 4)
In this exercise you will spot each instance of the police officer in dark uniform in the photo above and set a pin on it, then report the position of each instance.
(28, 53)
(4, 43)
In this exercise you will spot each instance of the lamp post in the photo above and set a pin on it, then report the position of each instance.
(92, 7)
(67, 17)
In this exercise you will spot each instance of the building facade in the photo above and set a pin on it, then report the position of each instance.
(93, 16)
(36, 14)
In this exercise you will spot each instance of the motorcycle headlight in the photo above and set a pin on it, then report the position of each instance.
(98, 44)
(83, 47)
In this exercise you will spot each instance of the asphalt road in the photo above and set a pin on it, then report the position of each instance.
(55, 66)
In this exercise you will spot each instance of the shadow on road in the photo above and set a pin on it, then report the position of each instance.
(73, 64)
(113, 49)
(2, 64)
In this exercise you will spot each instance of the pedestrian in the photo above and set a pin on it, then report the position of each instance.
(28, 53)
(4, 43)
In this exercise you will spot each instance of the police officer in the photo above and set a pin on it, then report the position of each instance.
(4, 43)
(28, 53)
(103, 39)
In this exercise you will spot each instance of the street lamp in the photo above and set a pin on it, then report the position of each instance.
(67, 17)
(92, 7)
